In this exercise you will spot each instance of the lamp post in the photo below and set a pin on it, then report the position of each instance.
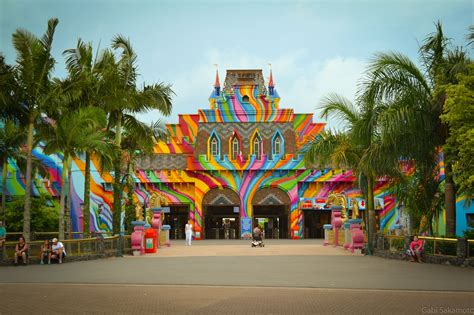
(121, 236)
(99, 212)
(81, 218)
(145, 205)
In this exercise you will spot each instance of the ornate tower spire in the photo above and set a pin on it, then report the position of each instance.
(270, 81)
(217, 84)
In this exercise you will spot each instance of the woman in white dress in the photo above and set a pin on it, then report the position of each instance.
(189, 232)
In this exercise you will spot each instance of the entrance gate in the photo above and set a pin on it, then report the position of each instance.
(221, 215)
(177, 219)
(271, 211)
(313, 222)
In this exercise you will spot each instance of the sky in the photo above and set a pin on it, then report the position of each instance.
(315, 47)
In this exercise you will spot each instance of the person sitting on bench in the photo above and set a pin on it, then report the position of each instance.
(416, 249)
(21, 250)
(3, 234)
(58, 252)
(45, 252)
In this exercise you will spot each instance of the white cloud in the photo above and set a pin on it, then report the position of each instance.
(336, 75)
(301, 84)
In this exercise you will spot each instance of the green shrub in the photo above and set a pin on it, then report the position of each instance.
(44, 214)
(469, 234)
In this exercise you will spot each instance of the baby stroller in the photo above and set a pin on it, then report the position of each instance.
(257, 241)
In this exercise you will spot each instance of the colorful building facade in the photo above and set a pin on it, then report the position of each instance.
(228, 167)
(239, 163)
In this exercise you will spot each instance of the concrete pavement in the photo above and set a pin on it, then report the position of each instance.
(231, 277)
(249, 267)
(152, 299)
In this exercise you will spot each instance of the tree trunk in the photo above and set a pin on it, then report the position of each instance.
(87, 196)
(4, 190)
(69, 198)
(29, 162)
(371, 211)
(450, 200)
(63, 197)
(410, 223)
(129, 209)
(117, 193)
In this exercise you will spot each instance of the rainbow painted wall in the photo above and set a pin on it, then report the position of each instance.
(188, 186)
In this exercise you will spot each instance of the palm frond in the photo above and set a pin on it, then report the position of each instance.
(127, 63)
(339, 107)
(391, 75)
(160, 132)
(470, 35)
(331, 148)
(137, 134)
(433, 49)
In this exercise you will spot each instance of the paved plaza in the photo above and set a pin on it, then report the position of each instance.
(210, 277)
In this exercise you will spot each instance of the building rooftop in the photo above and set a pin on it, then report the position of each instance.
(245, 77)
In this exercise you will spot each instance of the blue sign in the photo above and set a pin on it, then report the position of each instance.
(245, 228)
(236, 209)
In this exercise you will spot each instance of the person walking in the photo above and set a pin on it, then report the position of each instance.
(188, 229)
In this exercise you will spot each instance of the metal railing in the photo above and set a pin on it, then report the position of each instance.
(74, 247)
(470, 248)
(431, 245)
(127, 246)
(13, 236)
(439, 245)
(394, 243)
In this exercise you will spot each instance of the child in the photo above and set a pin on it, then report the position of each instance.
(46, 252)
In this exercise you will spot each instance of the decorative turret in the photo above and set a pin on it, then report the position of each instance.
(270, 84)
(217, 84)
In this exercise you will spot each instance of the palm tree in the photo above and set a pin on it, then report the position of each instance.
(358, 147)
(34, 65)
(414, 98)
(84, 84)
(123, 100)
(74, 133)
(155, 132)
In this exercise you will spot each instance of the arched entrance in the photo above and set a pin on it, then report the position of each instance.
(176, 216)
(221, 214)
(271, 209)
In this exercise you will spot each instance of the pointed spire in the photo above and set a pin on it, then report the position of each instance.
(217, 84)
(270, 81)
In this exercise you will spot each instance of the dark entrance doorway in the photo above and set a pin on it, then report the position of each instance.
(272, 219)
(221, 222)
(313, 222)
(176, 219)
(221, 214)
(271, 210)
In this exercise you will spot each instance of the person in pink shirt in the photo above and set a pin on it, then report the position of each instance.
(416, 248)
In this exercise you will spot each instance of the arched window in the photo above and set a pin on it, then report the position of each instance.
(277, 146)
(257, 147)
(235, 147)
(214, 146)
(245, 98)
